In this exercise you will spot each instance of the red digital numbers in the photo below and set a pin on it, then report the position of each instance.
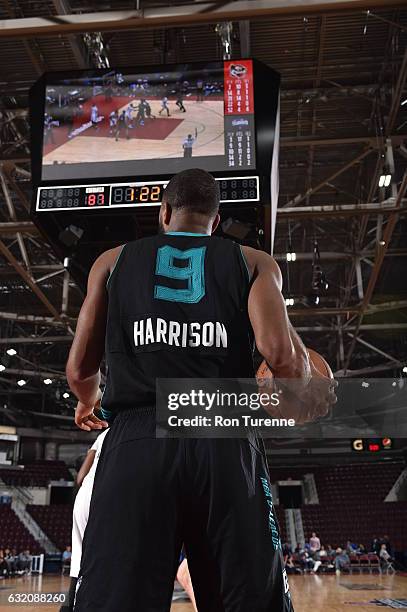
(95, 199)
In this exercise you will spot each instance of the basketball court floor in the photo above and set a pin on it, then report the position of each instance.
(161, 137)
(310, 593)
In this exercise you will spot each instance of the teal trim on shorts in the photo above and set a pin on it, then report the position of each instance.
(106, 414)
(115, 264)
(184, 234)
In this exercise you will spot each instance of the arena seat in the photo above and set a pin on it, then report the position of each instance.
(36, 474)
(351, 503)
(14, 534)
(55, 521)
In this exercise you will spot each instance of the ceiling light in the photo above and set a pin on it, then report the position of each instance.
(384, 180)
(66, 395)
(405, 369)
(21, 382)
(291, 256)
(2, 367)
(47, 381)
(11, 351)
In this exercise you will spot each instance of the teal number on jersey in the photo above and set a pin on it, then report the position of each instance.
(193, 272)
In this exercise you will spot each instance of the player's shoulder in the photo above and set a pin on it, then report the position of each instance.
(260, 262)
(105, 259)
(259, 257)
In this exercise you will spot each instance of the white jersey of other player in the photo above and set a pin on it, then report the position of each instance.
(81, 507)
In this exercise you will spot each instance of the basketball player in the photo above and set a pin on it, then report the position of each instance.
(151, 495)
(200, 90)
(121, 125)
(148, 111)
(180, 102)
(141, 111)
(129, 114)
(184, 578)
(164, 106)
(94, 116)
(113, 118)
(48, 129)
(84, 479)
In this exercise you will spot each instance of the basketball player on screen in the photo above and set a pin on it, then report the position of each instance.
(94, 116)
(164, 106)
(151, 495)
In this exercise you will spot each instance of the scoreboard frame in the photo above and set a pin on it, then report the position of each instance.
(109, 205)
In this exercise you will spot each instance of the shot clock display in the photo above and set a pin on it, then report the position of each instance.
(137, 194)
(124, 195)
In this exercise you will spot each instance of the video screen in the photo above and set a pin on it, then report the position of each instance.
(121, 123)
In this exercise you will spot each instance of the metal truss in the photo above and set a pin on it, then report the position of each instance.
(171, 16)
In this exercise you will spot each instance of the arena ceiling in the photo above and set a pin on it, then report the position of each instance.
(343, 124)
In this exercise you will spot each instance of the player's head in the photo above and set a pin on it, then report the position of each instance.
(191, 196)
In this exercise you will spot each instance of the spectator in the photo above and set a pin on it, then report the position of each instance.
(4, 571)
(350, 548)
(361, 550)
(342, 560)
(290, 565)
(66, 558)
(314, 543)
(330, 551)
(306, 561)
(317, 562)
(11, 561)
(24, 562)
(286, 549)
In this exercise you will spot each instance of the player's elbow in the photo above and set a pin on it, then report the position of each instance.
(72, 374)
(75, 373)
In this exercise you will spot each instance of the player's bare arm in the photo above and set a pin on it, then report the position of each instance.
(86, 354)
(85, 467)
(278, 342)
(275, 337)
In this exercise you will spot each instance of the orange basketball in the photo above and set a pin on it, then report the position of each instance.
(317, 360)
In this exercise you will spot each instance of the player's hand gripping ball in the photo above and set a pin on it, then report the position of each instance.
(303, 402)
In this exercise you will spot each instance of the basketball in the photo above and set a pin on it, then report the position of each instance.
(318, 362)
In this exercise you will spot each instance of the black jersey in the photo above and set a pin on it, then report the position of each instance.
(177, 309)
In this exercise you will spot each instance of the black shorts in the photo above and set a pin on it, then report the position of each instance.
(153, 495)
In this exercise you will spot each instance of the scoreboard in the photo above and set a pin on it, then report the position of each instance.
(137, 194)
(100, 183)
